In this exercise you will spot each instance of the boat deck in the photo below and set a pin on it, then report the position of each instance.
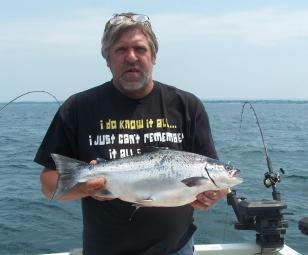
(218, 249)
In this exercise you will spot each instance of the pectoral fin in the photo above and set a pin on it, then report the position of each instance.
(143, 202)
(194, 181)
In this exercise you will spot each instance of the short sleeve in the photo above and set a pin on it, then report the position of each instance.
(60, 137)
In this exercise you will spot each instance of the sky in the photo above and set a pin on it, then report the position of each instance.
(256, 49)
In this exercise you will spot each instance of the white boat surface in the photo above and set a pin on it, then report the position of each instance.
(219, 249)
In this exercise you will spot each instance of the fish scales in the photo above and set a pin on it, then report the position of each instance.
(162, 177)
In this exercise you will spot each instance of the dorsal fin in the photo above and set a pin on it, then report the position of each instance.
(100, 160)
(149, 149)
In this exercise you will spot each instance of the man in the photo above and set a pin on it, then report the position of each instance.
(121, 118)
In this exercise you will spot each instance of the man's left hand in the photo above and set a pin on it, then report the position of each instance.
(208, 198)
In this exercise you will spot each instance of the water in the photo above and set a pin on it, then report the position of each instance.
(30, 224)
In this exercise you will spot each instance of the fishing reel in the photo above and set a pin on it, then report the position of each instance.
(271, 179)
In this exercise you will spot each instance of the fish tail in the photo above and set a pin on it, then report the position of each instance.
(70, 173)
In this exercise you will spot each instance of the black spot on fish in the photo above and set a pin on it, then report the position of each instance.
(163, 160)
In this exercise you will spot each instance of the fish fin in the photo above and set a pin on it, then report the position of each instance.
(149, 149)
(140, 203)
(70, 172)
(144, 200)
(194, 181)
(104, 193)
(100, 160)
(133, 213)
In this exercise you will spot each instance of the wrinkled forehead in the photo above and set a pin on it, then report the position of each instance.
(134, 32)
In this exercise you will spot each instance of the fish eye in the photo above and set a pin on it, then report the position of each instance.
(228, 167)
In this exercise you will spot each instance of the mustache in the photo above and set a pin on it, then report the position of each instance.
(131, 68)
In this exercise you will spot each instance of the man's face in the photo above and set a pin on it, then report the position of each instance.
(131, 62)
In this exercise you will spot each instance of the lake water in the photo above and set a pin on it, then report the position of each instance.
(31, 224)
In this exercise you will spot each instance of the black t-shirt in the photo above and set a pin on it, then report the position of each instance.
(103, 123)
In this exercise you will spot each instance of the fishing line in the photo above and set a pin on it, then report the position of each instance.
(29, 92)
(268, 161)
(271, 178)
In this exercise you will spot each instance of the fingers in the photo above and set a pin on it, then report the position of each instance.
(211, 194)
(204, 200)
(93, 162)
(198, 205)
(95, 185)
(91, 187)
(208, 198)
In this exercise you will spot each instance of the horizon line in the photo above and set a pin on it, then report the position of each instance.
(202, 99)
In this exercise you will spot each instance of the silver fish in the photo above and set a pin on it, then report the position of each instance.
(161, 178)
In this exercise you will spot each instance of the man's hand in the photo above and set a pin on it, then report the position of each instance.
(49, 179)
(208, 198)
(91, 187)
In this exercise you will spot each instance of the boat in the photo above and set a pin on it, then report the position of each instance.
(219, 249)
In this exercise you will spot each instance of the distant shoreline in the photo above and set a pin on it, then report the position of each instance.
(303, 101)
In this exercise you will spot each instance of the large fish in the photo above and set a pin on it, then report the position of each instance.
(162, 177)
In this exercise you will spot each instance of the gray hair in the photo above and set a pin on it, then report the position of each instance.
(113, 32)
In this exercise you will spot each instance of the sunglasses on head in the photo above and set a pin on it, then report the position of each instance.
(120, 18)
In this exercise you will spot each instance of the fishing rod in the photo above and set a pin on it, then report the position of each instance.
(270, 178)
(29, 92)
(263, 216)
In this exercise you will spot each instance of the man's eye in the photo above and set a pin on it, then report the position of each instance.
(141, 49)
(120, 50)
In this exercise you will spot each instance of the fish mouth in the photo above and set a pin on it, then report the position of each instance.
(234, 173)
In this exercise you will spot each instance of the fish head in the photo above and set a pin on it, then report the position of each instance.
(233, 174)
(222, 175)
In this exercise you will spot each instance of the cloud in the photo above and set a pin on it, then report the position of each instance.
(255, 27)
(83, 28)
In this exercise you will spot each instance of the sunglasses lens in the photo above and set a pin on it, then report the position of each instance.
(140, 18)
(116, 20)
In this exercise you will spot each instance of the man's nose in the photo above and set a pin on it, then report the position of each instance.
(131, 56)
